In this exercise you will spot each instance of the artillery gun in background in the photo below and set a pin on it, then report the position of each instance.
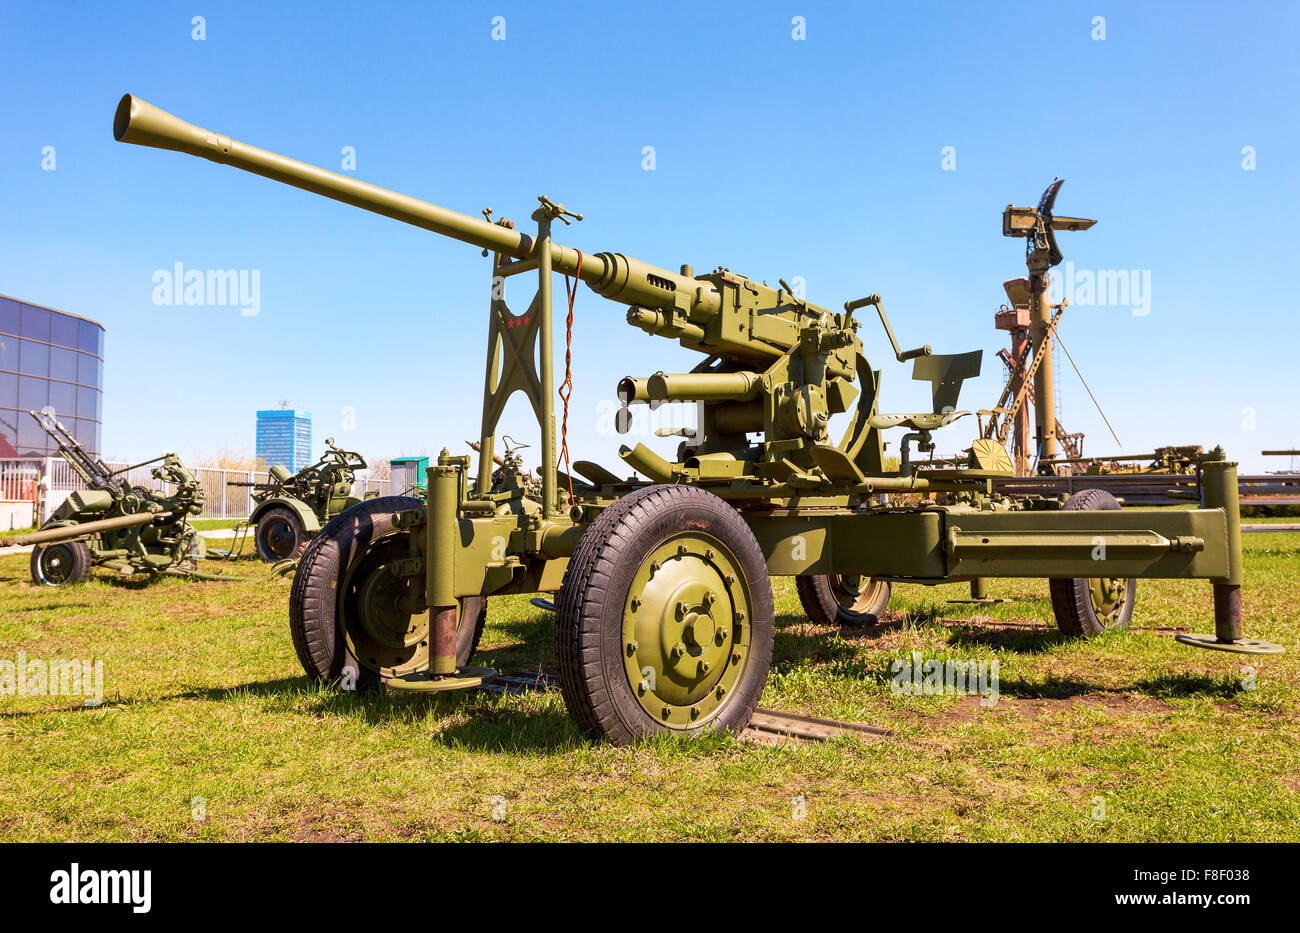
(291, 508)
(664, 617)
(113, 524)
(1185, 460)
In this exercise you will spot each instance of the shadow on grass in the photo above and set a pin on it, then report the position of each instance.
(534, 645)
(490, 726)
(1026, 639)
(1163, 687)
(1176, 685)
(47, 606)
(791, 648)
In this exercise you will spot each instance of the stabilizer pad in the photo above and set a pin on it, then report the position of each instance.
(1240, 646)
(422, 682)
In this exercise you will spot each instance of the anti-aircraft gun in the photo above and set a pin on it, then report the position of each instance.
(292, 507)
(112, 524)
(664, 615)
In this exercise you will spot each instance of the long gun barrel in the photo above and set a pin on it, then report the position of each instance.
(617, 277)
(92, 471)
(68, 532)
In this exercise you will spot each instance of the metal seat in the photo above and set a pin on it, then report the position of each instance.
(945, 373)
(918, 422)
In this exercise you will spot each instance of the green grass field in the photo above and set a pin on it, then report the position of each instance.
(1127, 737)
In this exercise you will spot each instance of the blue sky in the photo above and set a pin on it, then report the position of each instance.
(820, 158)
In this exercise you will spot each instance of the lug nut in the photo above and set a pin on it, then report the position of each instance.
(678, 650)
(704, 667)
(631, 648)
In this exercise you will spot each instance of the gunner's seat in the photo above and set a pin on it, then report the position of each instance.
(945, 373)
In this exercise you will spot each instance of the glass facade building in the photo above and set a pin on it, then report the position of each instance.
(284, 437)
(48, 358)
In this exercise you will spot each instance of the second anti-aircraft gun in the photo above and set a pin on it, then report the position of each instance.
(664, 609)
(113, 524)
(290, 508)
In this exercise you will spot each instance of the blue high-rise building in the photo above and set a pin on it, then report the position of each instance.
(284, 437)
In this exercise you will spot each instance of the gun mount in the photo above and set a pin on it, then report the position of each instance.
(665, 616)
(113, 524)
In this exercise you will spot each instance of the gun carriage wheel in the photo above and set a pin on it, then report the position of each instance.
(843, 599)
(61, 564)
(664, 623)
(1088, 606)
(280, 535)
(350, 608)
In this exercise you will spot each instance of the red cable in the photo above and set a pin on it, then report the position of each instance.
(566, 388)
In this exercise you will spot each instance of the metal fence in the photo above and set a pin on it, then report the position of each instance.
(22, 480)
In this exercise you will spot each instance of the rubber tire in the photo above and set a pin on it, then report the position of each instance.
(1071, 596)
(590, 604)
(81, 564)
(317, 636)
(819, 602)
(301, 538)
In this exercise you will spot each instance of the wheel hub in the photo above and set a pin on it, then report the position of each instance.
(1108, 595)
(851, 593)
(279, 537)
(383, 636)
(686, 631)
(383, 618)
(56, 563)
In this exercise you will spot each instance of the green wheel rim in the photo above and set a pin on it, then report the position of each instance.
(383, 637)
(686, 630)
(855, 593)
(56, 564)
(1108, 595)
